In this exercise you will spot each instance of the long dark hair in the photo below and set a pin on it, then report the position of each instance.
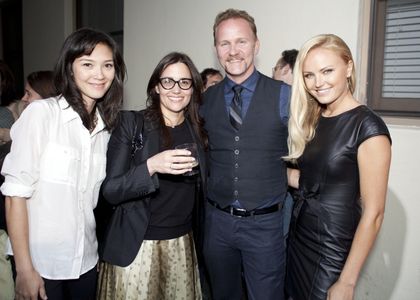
(83, 42)
(153, 111)
(42, 82)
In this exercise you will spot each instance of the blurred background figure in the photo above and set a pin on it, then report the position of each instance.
(284, 67)
(39, 85)
(8, 113)
(210, 77)
(284, 71)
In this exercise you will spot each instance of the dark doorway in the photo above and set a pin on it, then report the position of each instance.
(105, 15)
(11, 39)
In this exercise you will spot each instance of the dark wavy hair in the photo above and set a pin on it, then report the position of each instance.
(42, 82)
(153, 111)
(288, 57)
(83, 42)
(209, 72)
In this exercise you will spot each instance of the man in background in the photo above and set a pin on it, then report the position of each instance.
(284, 67)
(210, 77)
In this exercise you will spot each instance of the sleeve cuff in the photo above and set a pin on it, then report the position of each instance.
(16, 190)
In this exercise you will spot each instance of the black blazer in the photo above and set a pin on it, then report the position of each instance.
(129, 187)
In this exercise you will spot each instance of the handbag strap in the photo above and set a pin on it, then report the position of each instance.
(137, 141)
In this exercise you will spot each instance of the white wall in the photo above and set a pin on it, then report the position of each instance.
(154, 28)
(393, 269)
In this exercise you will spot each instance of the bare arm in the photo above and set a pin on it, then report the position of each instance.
(29, 283)
(374, 158)
(4, 135)
(293, 177)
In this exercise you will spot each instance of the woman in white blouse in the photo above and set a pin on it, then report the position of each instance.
(55, 168)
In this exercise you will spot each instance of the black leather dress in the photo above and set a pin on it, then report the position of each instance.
(327, 207)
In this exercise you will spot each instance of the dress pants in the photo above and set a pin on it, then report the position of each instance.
(254, 245)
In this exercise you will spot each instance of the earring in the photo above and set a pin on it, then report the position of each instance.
(349, 85)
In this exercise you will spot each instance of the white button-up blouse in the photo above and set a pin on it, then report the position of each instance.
(58, 166)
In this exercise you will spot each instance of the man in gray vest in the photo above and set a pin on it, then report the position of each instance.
(246, 120)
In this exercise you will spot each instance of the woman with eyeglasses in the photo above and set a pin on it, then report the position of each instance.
(149, 252)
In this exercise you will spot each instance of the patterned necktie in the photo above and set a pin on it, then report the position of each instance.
(235, 110)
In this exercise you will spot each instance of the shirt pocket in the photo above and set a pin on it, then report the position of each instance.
(60, 164)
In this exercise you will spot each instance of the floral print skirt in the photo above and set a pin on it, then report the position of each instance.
(163, 269)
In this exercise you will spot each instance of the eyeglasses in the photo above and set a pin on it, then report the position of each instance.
(168, 83)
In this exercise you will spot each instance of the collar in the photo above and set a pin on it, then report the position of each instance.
(100, 125)
(249, 84)
(69, 114)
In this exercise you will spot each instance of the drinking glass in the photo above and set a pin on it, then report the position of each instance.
(192, 147)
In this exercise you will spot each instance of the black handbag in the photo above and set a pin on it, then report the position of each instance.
(123, 230)
(104, 211)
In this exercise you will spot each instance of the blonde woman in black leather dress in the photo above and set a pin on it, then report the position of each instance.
(343, 151)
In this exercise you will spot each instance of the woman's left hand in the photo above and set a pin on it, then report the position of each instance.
(175, 162)
(341, 291)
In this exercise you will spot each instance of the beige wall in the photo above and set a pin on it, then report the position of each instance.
(154, 28)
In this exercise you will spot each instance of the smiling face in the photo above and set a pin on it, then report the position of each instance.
(174, 100)
(325, 74)
(236, 47)
(94, 73)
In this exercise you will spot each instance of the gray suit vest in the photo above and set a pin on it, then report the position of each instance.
(246, 165)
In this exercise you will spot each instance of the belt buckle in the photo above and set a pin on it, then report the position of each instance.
(242, 210)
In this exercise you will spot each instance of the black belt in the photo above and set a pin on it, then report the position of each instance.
(241, 212)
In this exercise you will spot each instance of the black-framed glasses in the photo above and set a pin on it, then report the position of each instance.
(168, 83)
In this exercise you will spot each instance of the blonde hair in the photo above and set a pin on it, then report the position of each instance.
(305, 110)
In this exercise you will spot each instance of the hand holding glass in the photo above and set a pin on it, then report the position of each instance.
(192, 147)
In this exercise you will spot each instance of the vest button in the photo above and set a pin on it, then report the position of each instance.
(237, 138)
(236, 193)
(236, 151)
(236, 165)
(235, 179)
